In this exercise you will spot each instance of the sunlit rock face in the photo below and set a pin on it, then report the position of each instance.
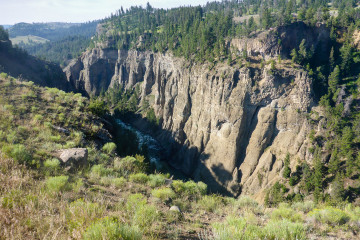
(228, 126)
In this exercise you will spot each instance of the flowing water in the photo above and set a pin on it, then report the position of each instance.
(154, 148)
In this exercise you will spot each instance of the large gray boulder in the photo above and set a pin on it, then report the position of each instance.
(74, 156)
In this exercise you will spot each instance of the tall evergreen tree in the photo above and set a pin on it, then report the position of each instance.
(334, 79)
(318, 175)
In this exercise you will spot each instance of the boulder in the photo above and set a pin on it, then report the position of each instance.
(74, 156)
(175, 209)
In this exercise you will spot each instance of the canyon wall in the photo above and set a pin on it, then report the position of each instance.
(228, 126)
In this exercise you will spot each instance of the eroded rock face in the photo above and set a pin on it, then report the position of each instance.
(227, 126)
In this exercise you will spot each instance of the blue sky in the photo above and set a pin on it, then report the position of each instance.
(14, 11)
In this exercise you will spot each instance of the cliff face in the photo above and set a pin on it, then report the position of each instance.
(230, 127)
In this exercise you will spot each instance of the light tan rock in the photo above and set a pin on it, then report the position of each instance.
(74, 156)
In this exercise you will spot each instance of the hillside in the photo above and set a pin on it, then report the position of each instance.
(104, 195)
(51, 31)
(7, 26)
(27, 40)
(56, 42)
(18, 63)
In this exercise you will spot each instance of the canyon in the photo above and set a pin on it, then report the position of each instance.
(230, 126)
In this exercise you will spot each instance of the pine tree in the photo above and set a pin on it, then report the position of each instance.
(303, 53)
(287, 169)
(294, 55)
(346, 57)
(332, 34)
(266, 18)
(332, 59)
(334, 163)
(346, 140)
(338, 191)
(318, 175)
(334, 79)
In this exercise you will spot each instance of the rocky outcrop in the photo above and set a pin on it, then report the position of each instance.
(74, 156)
(227, 126)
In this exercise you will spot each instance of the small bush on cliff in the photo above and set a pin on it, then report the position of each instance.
(3, 75)
(109, 148)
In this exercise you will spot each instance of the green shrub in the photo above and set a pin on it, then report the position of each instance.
(56, 138)
(211, 203)
(118, 182)
(106, 181)
(236, 228)
(164, 193)
(305, 207)
(51, 166)
(139, 178)
(80, 214)
(190, 188)
(141, 214)
(330, 215)
(77, 185)
(98, 107)
(353, 212)
(57, 184)
(3, 75)
(246, 202)
(286, 213)
(156, 180)
(111, 229)
(109, 148)
(19, 153)
(284, 230)
(134, 201)
(144, 217)
(99, 170)
(130, 165)
(38, 118)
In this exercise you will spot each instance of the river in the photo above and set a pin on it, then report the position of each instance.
(154, 149)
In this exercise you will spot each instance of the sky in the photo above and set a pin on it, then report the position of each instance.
(15, 11)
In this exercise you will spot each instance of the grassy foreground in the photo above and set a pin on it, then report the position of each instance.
(117, 197)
